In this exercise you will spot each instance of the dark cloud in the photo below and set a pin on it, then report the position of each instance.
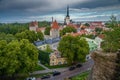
(26, 8)
(51, 5)
(98, 3)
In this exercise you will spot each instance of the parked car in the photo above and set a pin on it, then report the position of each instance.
(79, 65)
(31, 78)
(45, 77)
(72, 68)
(56, 73)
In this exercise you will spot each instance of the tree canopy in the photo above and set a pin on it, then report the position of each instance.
(30, 35)
(48, 49)
(47, 31)
(13, 28)
(73, 48)
(7, 37)
(17, 57)
(44, 24)
(67, 29)
(112, 40)
(113, 23)
(44, 57)
(40, 35)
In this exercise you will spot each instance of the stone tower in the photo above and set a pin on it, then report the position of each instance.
(67, 18)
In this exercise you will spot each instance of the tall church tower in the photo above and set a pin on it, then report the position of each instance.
(67, 18)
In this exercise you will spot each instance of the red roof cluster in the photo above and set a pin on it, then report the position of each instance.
(73, 25)
(35, 23)
(55, 25)
(101, 36)
(40, 29)
(79, 33)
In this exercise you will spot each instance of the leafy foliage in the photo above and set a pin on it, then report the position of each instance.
(112, 37)
(30, 35)
(48, 49)
(98, 30)
(7, 37)
(67, 29)
(112, 40)
(86, 24)
(47, 31)
(44, 24)
(44, 57)
(40, 35)
(73, 48)
(17, 57)
(13, 28)
(113, 23)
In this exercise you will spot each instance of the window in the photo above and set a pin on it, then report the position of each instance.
(59, 63)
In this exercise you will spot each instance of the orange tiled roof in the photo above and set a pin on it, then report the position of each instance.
(55, 25)
(101, 36)
(40, 29)
(35, 23)
(79, 33)
(73, 25)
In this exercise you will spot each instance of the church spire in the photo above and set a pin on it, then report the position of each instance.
(67, 11)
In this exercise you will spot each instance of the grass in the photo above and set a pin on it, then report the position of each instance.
(57, 66)
(82, 76)
(38, 67)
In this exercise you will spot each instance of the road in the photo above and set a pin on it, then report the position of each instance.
(66, 73)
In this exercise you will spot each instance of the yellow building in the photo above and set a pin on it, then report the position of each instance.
(56, 59)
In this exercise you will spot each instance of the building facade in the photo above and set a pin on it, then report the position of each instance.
(56, 59)
(67, 18)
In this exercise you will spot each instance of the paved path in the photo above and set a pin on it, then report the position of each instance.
(50, 70)
(43, 66)
(65, 73)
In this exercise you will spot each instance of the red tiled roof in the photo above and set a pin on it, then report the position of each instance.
(96, 23)
(55, 25)
(79, 33)
(40, 29)
(35, 23)
(101, 36)
(73, 25)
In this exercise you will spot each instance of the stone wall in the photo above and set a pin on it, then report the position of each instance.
(104, 66)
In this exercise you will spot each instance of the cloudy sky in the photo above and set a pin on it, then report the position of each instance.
(80, 10)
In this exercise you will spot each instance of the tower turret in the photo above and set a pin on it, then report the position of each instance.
(67, 18)
(67, 11)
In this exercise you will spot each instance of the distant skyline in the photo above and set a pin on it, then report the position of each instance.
(44, 10)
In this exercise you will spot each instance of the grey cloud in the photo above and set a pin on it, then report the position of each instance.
(51, 5)
(35, 5)
(98, 3)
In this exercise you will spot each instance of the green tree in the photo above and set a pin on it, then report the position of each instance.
(40, 35)
(17, 57)
(47, 31)
(44, 24)
(30, 35)
(7, 37)
(98, 30)
(13, 28)
(73, 48)
(113, 23)
(48, 49)
(67, 29)
(44, 57)
(87, 24)
(112, 40)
